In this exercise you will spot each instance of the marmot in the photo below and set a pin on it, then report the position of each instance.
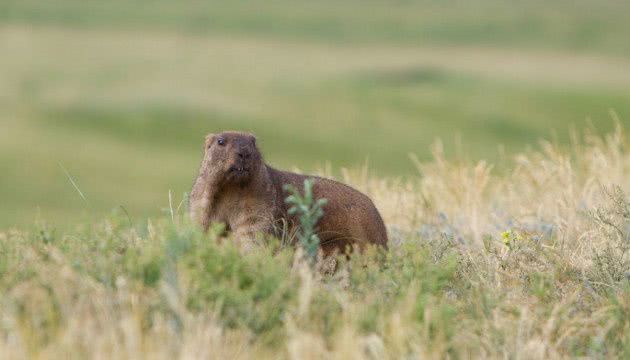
(237, 188)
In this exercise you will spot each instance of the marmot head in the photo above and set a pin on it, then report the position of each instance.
(234, 155)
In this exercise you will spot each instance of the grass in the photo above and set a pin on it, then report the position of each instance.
(567, 25)
(526, 258)
(124, 110)
(120, 93)
(530, 257)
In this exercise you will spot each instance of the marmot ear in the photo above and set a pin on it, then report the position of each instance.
(209, 139)
(254, 139)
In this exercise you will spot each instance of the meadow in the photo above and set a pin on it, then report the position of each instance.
(530, 261)
(118, 95)
(502, 245)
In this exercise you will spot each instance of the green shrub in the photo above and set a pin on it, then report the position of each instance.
(252, 291)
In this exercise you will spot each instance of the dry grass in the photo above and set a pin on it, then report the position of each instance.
(528, 260)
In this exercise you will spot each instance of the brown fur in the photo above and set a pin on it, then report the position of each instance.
(237, 188)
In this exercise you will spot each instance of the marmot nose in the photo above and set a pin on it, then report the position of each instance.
(244, 154)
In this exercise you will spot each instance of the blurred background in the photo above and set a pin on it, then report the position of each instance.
(114, 97)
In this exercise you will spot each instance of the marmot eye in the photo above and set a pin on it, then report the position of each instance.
(221, 142)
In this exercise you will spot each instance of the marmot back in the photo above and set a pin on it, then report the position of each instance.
(350, 217)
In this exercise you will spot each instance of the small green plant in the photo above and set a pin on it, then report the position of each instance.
(510, 238)
(310, 211)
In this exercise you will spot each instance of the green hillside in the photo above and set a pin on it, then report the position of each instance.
(121, 94)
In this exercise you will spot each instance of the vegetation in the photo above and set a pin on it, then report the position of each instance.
(580, 25)
(532, 258)
(104, 105)
(310, 210)
(121, 93)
